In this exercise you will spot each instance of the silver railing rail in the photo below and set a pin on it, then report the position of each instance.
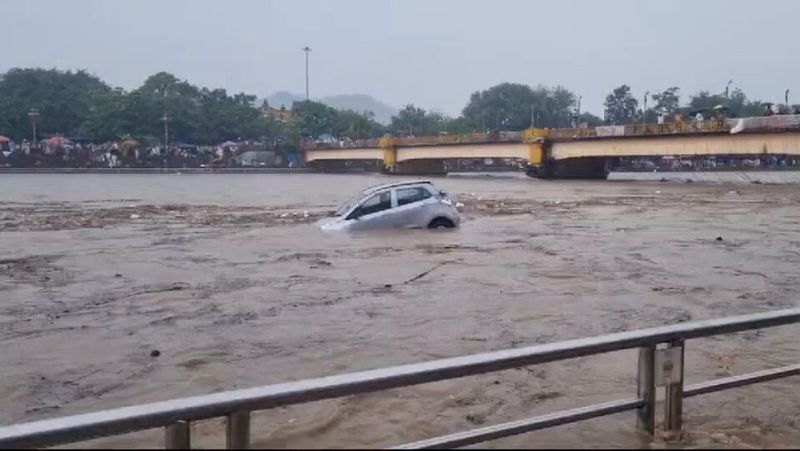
(657, 366)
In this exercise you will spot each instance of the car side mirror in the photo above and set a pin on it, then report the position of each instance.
(442, 193)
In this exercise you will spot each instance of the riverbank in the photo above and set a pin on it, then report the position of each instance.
(153, 170)
(770, 177)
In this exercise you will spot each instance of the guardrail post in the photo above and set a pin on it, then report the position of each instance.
(673, 401)
(177, 435)
(238, 435)
(646, 389)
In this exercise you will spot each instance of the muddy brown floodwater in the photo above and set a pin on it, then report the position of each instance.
(229, 279)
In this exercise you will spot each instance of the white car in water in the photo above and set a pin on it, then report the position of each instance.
(416, 204)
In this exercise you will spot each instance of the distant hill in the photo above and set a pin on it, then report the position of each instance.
(356, 102)
(361, 102)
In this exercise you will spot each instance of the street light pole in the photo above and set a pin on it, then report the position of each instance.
(33, 114)
(644, 112)
(533, 109)
(165, 118)
(727, 87)
(307, 49)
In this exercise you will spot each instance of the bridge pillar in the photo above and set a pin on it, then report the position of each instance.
(576, 168)
(537, 147)
(420, 167)
(389, 146)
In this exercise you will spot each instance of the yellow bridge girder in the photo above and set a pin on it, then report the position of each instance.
(691, 145)
(536, 146)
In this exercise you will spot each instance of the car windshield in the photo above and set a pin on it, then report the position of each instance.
(347, 206)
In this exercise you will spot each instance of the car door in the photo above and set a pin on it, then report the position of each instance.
(372, 213)
(413, 206)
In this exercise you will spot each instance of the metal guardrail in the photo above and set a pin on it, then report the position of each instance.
(571, 133)
(463, 138)
(344, 144)
(175, 415)
(706, 126)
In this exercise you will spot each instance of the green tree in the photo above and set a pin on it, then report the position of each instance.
(107, 118)
(667, 102)
(412, 120)
(224, 117)
(737, 103)
(513, 106)
(163, 93)
(314, 118)
(357, 125)
(590, 119)
(62, 98)
(621, 106)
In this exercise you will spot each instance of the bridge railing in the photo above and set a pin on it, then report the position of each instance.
(343, 144)
(705, 126)
(661, 363)
(462, 138)
(571, 132)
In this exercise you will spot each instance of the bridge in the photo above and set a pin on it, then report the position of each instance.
(567, 153)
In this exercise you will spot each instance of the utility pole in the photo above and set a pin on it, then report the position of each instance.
(165, 118)
(644, 113)
(727, 87)
(33, 114)
(533, 109)
(307, 49)
(786, 98)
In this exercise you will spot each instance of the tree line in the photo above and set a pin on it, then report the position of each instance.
(78, 104)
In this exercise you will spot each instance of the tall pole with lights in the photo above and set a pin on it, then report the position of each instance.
(34, 115)
(307, 49)
(165, 118)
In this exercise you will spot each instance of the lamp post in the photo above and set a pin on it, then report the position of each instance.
(165, 118)
(727, 87)
(307, 49)
(533, 110)
(33, 114)
(644, 112)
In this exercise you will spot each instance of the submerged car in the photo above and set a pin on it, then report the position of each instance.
(416, 204)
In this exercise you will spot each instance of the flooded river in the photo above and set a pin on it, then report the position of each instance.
(228, 279)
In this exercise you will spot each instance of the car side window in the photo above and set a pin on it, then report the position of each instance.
(411, 195)
(379, 202)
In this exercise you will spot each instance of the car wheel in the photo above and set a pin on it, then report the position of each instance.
(441, 223)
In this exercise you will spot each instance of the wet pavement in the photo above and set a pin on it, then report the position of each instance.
(227, 277)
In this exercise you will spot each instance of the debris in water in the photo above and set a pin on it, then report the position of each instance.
(283, 215)
(118, 275)
(459, 205)
(155, 353)
(134, 216)
(658, 192)
(719, 238)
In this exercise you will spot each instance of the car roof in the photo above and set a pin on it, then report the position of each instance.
(373, 189)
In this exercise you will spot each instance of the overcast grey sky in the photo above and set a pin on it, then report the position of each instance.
(433, 53)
